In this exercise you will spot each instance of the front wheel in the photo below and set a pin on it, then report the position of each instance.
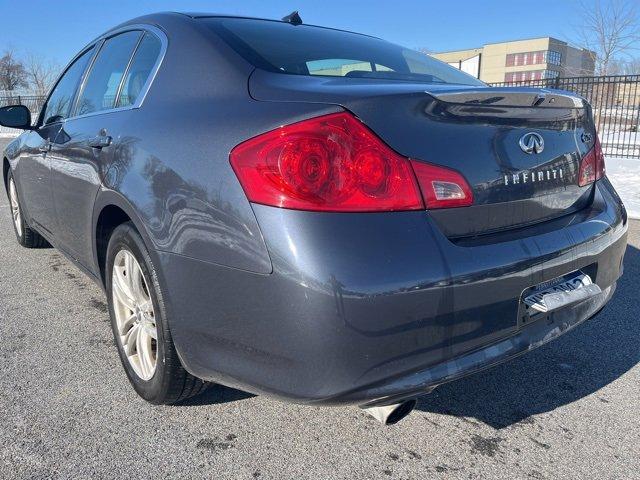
(139, 323)
(26, 236)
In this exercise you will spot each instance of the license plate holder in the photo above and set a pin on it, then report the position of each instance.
(540, 301)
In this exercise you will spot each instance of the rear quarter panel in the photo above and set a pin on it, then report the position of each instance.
(171, 162)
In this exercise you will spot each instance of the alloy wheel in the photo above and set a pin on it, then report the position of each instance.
(135, 318)
(15, 207)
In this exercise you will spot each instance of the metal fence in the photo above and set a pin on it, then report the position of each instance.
(33, 102)
(615, 100)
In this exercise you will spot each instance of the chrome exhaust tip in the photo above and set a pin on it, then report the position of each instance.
(390, 414)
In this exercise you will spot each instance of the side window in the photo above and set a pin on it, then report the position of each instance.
(143, 61)
(101, 87)
(61, 98)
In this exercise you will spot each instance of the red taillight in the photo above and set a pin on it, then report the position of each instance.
(328, 163)
(334, 163)
(592, 165)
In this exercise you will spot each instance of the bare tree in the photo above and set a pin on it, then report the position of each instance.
(624, 67)
(610, 30)
(41, 73)
(12, 72)
(633, 66)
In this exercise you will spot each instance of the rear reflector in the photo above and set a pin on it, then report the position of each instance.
(335, 163)
(592, 165)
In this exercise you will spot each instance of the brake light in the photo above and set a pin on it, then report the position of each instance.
(335, 163)
(592, 166)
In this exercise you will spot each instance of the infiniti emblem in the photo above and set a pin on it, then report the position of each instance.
(531, 143)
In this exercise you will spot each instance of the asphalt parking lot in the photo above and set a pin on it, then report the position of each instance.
(567, 410)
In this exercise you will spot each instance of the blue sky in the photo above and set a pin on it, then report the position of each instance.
(59, 29)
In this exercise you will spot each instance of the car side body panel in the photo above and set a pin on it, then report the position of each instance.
(33, 176)
(77, 173)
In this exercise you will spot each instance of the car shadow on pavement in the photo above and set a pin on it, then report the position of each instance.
(216, 394)
(576, 365)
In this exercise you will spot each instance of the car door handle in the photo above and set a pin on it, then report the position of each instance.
(100, 141)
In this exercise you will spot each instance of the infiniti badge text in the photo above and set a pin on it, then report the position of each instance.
(527, 176)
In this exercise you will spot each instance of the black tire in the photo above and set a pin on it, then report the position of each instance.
(170, 383)
(28, 238)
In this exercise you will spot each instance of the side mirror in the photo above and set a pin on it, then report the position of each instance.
(16, 116)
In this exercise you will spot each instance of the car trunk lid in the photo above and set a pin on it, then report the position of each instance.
(518, 148)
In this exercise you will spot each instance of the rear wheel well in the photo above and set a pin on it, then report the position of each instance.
(110, 217)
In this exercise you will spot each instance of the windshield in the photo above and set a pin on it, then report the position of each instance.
(306, 50)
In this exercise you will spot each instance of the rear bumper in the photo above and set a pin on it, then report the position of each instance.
(526, 339)
(369, 308)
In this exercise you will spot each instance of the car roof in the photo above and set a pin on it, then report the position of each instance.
(223, 15)
(158, 17)
(198, 15)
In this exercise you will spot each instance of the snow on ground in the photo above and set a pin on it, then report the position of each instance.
(620, 137)
(624, 174)
(9, 132)
(616, 143)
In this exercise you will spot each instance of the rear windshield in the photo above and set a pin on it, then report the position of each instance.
(306, 50)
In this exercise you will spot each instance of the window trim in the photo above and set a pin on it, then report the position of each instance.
(98, 43)
(116, 100)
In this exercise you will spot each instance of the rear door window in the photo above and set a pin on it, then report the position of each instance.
(101, 87)
(141, 66)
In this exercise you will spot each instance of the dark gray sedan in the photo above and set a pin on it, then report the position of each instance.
(313, 214)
